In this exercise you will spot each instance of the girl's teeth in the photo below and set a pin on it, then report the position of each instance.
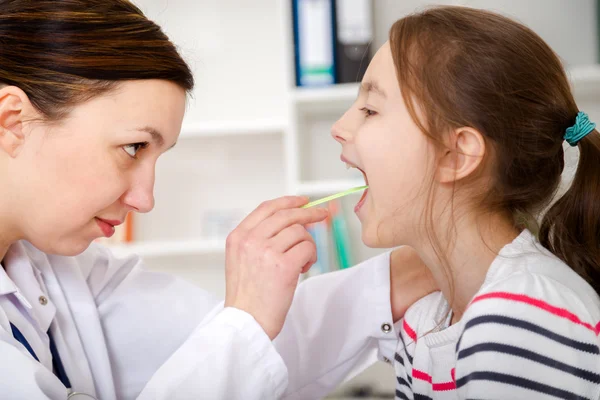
(348, 166)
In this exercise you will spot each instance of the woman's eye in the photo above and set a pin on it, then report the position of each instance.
(368, 112)
(132, 149)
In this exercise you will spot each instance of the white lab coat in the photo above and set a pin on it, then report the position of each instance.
(124, 332)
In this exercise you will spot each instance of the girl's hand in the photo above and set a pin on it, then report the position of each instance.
(410, 280)
(265, 256)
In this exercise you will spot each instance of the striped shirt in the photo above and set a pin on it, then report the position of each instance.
(531, 332)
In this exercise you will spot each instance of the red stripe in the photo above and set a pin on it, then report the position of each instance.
(437, 387)
(411, 333)
(442, 387)
(560, 312)
(421, 375)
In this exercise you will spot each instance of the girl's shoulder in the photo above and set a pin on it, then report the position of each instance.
(532, 328)
(528, 283)
(527, 278)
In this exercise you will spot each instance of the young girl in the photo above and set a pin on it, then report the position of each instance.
(459, 129)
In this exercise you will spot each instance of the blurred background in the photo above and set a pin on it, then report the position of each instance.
(272, 76)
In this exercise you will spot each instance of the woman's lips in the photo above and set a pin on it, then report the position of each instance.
(107, 226)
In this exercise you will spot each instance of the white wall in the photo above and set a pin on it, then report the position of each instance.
(234, 48)
(568, 26)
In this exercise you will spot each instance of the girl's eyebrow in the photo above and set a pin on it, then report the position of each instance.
(373, 87)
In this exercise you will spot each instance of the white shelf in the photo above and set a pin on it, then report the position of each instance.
(585, 80)
(233, 128)
(340, 93)
(585, 73)
(323, 188)
(582, 78)
(170, 248)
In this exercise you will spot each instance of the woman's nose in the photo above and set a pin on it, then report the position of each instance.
(140, 195)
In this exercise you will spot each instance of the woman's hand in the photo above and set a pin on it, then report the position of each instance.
(265, 256)
(410, 280)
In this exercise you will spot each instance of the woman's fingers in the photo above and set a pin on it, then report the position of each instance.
(283, 219)
(268, 208)
(265, 256)
(290, 237)
(303, 254)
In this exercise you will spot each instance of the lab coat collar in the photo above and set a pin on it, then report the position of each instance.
(7, 286)
(28, 283)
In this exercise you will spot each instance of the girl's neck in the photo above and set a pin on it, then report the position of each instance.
(470, 252)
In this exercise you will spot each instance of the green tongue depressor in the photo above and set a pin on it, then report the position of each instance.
(335, 196)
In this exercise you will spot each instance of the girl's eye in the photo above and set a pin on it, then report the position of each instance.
(132, 149)
(368, 112)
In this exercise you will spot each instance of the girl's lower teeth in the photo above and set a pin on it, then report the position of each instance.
(361, 201)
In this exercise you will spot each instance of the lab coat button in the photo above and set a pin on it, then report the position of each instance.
(43, 300)
(386, 328)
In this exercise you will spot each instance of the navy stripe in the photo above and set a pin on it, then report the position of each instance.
(401, 395)
(21, 339)
(530, 355)
(398, 358)
(458, 342)
(418, 396)
(517, 323)
(410, 359)
(517, 381)
(402, 382)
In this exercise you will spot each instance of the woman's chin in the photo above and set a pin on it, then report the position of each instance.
(65, 247)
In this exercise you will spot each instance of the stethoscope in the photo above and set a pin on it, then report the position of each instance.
(59, 369)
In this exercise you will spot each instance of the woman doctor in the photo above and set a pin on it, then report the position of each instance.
(91, 94)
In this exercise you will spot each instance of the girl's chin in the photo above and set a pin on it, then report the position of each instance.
(370, 238)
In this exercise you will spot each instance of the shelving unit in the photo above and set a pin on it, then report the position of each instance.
(299, 105)
(323, 188)
(232, 128)
(341, 93)
(171, 248)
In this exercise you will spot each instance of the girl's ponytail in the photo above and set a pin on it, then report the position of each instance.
(571, 228)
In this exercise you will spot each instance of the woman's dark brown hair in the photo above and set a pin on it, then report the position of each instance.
(465, 67)
(62, 53)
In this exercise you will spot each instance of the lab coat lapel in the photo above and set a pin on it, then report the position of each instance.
(79, 327)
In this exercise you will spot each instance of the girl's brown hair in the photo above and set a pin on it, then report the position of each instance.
(62, 53)
(464, 67)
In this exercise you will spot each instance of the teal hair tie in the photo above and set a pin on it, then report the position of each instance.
(582, 127)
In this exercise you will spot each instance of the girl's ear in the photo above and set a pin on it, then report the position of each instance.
(463, 155)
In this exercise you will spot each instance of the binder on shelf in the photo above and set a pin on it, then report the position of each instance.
(354, 34)
(314, 42)
(332, 241)
(319, 232)
(341, 239)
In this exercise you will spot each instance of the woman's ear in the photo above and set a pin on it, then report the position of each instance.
(14, 106)
(462, 156)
